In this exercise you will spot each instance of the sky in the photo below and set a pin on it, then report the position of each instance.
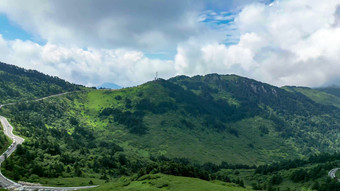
(91, 42)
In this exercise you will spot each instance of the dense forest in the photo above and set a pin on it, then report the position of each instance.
(4, 140)
(17, 84)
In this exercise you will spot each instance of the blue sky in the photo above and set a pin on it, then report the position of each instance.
(282, 42)
(11, 30)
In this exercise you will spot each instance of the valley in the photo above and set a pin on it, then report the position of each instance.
(16, 140)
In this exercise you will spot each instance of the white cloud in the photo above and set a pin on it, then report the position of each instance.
(89, 67)
(195, 58)
(148, 25)
(288, 42)
(284, 43)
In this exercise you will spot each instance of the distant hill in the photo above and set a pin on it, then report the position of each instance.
(317, 95)
(334, 90)
(21, 84)
(108, 85)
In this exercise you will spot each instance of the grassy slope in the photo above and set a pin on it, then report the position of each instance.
(168, 136)
(250, 177)
(316, 95)
(167, 182)
(334, 90)
(181, 142)
(146, 182)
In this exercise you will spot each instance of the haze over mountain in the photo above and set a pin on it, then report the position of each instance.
(109, 85)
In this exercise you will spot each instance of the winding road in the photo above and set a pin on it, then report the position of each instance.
(332, 173)
(9, 184)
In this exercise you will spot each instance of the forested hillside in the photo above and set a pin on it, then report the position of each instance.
(4, 140)
(20, 84)
(334, 90)
(196, 127)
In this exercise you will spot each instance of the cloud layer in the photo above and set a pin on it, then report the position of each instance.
(283, 43)
(89, 67)
(148, 25)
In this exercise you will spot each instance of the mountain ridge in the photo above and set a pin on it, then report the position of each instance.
(184, 126)
(18, 84)
(222, 104)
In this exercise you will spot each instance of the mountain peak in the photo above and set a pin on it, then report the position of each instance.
(109, 85)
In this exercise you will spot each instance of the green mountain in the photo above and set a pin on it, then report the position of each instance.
(317, 95)
(334, 90)
(197, 127)
(17, 84)
(5, 142)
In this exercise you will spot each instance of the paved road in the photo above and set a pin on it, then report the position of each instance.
(332, 172)
(56, 95)
(9, 184)
(8, 130)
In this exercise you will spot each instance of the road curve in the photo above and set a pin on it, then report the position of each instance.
(332, 173)
(9, 184)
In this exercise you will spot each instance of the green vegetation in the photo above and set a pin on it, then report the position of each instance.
(333, 90)
(167, 182)
(337, 174)
(321, 97)
(146, 182)
(18, 84)
(68, 182)
(5, 142)
(308, 174)
(215, 131)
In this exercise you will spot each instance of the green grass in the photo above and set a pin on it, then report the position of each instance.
(167, 182)
(317, 96)
(250, 177)
(69, 182)
(166, 136)
(248, 139)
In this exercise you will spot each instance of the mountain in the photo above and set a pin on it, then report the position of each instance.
(108, 85)
(320, 96)
(210, 127)
(334, 90)
(20, 84)
(221, 117)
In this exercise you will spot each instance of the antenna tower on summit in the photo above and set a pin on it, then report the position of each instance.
(156, 78)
